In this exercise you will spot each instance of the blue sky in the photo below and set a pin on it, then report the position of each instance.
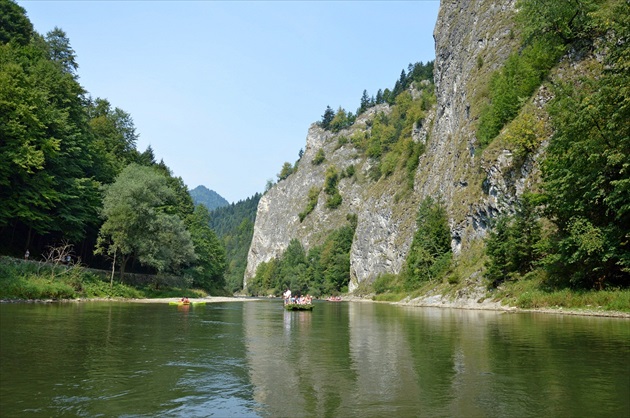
(225, 91)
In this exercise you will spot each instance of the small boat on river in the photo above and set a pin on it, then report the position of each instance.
(298, 306)
(194, 303)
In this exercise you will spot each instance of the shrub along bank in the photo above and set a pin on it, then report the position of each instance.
(31, 280)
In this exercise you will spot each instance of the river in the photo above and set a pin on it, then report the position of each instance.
(341, 360)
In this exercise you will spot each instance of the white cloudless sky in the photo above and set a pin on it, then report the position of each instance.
(225, 91)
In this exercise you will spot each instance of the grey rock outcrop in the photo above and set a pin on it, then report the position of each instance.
(472, 39)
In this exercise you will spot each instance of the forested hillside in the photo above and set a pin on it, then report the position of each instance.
(71, 176)
(201, 195)
(234, 224)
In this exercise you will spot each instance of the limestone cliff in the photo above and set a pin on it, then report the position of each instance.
(472, 38)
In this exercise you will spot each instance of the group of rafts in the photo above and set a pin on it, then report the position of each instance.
(301, 303)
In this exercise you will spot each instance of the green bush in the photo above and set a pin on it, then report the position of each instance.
(513, 85)
(21, 280)
(334, 199)
(430, 254)
(386, 283)
(313, 197)
(320, 157)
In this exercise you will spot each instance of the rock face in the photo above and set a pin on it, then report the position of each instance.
(472, 39)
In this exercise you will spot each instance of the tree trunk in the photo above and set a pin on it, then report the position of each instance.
(28, 237)
(111, 280)
(125, 258)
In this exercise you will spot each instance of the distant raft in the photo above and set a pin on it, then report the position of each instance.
(298, 307)
(179, 303)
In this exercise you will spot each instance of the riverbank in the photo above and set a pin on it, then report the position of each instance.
(441, 301)
(37, 282)
(207, 299)
(421, 302)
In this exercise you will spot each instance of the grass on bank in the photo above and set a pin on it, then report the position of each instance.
(39, 281)
(530, 292)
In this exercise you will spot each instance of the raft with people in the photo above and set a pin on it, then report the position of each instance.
(297, 303)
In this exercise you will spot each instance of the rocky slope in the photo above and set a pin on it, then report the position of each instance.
(472, 38)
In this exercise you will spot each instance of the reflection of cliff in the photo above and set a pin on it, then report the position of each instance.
(364, 359)
(456, 379)
(295, 368)
(382, 359)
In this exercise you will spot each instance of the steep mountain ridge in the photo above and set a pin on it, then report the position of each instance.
(472, 39)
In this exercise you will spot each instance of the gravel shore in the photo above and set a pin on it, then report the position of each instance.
(471, 303)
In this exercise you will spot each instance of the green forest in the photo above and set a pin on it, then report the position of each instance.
(74, 188)
(323, 270)
(575, 232)
(234, 224)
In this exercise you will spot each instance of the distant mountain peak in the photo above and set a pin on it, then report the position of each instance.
(209, 198)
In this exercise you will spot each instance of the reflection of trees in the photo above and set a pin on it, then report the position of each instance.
(126, 357)
(556, 363)
(129, 356)
(406, 359)
(436, 360)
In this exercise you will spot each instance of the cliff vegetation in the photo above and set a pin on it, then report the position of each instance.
(503, 175)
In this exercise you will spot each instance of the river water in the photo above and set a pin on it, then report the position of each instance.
(340, 360)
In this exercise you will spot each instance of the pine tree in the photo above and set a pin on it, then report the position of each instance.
(327, 117)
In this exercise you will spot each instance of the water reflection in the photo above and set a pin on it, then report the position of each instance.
(382, 359)
(299, 369)
(296, 319)
(341, 359)
(376, 360)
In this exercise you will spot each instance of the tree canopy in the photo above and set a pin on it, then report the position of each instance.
(584, 209)
(66, 158)
(587, 169)
(137, 223)
(323, 270)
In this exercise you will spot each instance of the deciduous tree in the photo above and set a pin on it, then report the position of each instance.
(136, 224)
